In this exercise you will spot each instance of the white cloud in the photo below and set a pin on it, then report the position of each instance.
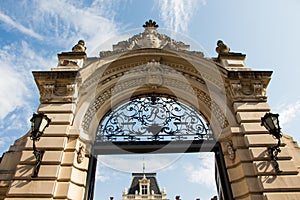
(92, 23)
(288, 112)
(135, 163)
(16, 81)
(9, 21)
(100, 177)
(202, 172)
(176, 15)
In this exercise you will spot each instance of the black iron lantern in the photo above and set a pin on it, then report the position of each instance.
(271, 123)
(38, 124)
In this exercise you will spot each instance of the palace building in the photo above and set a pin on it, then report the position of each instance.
(144, 186)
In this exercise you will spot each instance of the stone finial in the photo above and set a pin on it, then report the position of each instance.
(150, 24)
(221, 47)
(79, 47)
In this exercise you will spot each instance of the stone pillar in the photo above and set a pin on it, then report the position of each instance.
(250, 171)
(64, 166)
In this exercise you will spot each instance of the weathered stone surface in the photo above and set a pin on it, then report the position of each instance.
(241, 155)
(70, 158)
(252, 128)
(240, 171)
(261, 153)
(249, 116)
(282, 195)
(72, 174)
(61, 118)
(266, 167)
(278, 183)
(10, 160)
(245, 186)
(57, 108)
(32, 188)
(56, 131)
(46, 171)
(48, 143)
(251, 106)
(50, 157)
(69, 190)
(260, 140)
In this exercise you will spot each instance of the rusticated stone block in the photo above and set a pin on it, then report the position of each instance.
(282, 195)
(70, 158)
(60, 118)
(30, 198)
(266, 167)
(56, 130)
(240, 171)
(57, 108)
(251, 106)
(245, 186)
(48, 143)
(70, 173)
(68, 190)
(10, 160)
(261, 153)
(50, 157)
(46, 171)
(249, 116)
(280, 183)
(241, 155)
(32, 188)
(260, 140)
(253, 128)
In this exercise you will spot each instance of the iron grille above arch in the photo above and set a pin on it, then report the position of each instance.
(153, 118)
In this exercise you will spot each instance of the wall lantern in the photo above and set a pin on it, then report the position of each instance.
(38, 124)
(271, 122)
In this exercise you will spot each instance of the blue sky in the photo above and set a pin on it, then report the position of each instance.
(33, 32)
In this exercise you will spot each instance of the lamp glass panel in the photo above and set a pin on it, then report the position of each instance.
(43, 124)
(275, 121)
(37, 120)
(269, 124)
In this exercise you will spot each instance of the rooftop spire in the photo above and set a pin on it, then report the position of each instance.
(143, 165)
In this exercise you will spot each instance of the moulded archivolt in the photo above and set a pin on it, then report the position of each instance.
(116, 89)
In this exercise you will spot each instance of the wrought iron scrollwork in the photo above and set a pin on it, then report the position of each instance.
(153, 118)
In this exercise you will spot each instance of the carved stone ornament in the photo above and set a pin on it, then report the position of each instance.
(230, 150)
(222, 48)
(154, 74)
(79, 47)
(80, 153)
(247, 90)
(58, 92)
(150, 38)
(57, 86)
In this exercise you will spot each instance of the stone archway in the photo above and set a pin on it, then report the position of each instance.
(78, 93)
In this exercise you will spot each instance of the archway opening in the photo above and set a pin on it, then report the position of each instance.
(156, 124)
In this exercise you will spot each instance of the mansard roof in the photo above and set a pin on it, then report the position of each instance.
(138, 176)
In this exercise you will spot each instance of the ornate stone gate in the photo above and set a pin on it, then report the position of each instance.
(81, 92)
